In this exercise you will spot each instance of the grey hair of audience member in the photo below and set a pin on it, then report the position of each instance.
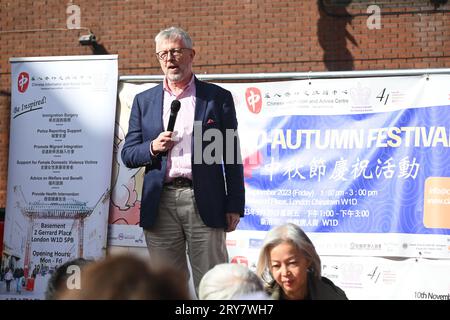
(289, 233)
(228, 281)
(174, 33)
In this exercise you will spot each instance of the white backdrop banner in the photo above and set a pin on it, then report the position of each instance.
(60, 155)
(361, 164)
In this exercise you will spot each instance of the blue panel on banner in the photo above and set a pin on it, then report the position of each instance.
(348, 173)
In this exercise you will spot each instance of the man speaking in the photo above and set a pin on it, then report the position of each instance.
(187, 203)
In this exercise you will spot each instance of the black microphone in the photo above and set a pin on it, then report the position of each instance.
(174, 108)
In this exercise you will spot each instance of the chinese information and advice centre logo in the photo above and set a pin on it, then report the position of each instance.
(23, 81)
(253, 99)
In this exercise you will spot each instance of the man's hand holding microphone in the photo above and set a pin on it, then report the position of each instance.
(164, 142)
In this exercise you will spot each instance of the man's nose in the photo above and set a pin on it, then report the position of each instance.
(170, 55)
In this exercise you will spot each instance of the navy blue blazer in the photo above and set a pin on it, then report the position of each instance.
(218, 187)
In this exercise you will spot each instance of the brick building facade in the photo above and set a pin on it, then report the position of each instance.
(230, 36)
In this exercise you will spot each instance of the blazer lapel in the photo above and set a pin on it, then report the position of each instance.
(156, 112)
(200, 101)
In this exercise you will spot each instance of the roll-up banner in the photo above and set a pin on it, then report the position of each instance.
(59, 175)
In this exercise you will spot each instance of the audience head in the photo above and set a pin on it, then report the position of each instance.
(127, 277)
(228, 281)
(286, 258)
(58, 280)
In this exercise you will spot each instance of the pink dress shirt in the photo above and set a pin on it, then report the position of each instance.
(179, 157)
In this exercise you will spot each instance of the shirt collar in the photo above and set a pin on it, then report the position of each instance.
(167, 88)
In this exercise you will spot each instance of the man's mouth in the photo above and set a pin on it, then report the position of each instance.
(172, 67)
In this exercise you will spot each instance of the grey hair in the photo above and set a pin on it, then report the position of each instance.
(174, 33)
(293, 234)
(228, 281)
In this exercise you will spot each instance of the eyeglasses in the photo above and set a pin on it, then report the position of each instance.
(176, 53)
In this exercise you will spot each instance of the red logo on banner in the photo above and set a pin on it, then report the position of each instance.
(254, 99)
(252, 162)
(240, 260)
(23, 81)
